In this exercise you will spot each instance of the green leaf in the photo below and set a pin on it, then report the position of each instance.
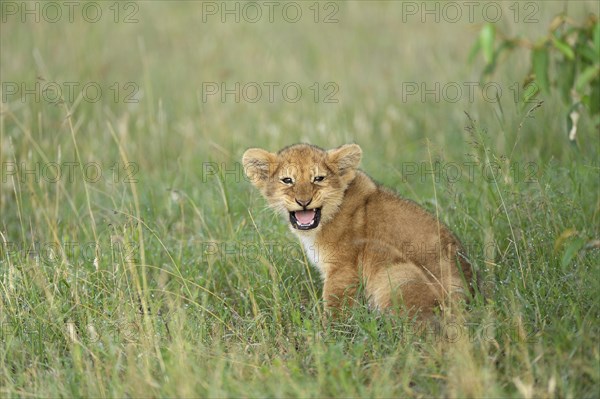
(566, 79)
(588, 54)
(489, 69)
(586, 77)
(486, 41)
(563, 48)
(540, 62)
(474, 50)
(595, 97)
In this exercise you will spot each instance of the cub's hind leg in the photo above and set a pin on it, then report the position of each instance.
(404, 286)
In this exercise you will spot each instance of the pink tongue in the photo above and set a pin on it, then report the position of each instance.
(305, 217)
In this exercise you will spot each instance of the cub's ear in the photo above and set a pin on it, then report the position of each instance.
(258, 165)
(345, 158)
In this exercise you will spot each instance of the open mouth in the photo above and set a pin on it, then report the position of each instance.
(305, 220)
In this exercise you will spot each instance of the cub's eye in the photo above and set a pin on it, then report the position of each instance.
(319, 178)
(287, 180)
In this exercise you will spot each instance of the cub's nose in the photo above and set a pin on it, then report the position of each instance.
(303, 203)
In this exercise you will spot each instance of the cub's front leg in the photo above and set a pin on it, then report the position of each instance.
(339, 287)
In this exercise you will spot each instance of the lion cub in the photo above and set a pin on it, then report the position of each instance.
(359, 233)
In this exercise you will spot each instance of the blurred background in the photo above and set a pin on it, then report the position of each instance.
(184, 83)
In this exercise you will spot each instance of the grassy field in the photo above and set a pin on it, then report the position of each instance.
(137, 261)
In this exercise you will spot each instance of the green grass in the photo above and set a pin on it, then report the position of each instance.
(183, 283)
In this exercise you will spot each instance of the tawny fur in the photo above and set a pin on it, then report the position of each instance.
(401, 255)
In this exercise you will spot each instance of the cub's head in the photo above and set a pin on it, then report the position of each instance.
(303, 182)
